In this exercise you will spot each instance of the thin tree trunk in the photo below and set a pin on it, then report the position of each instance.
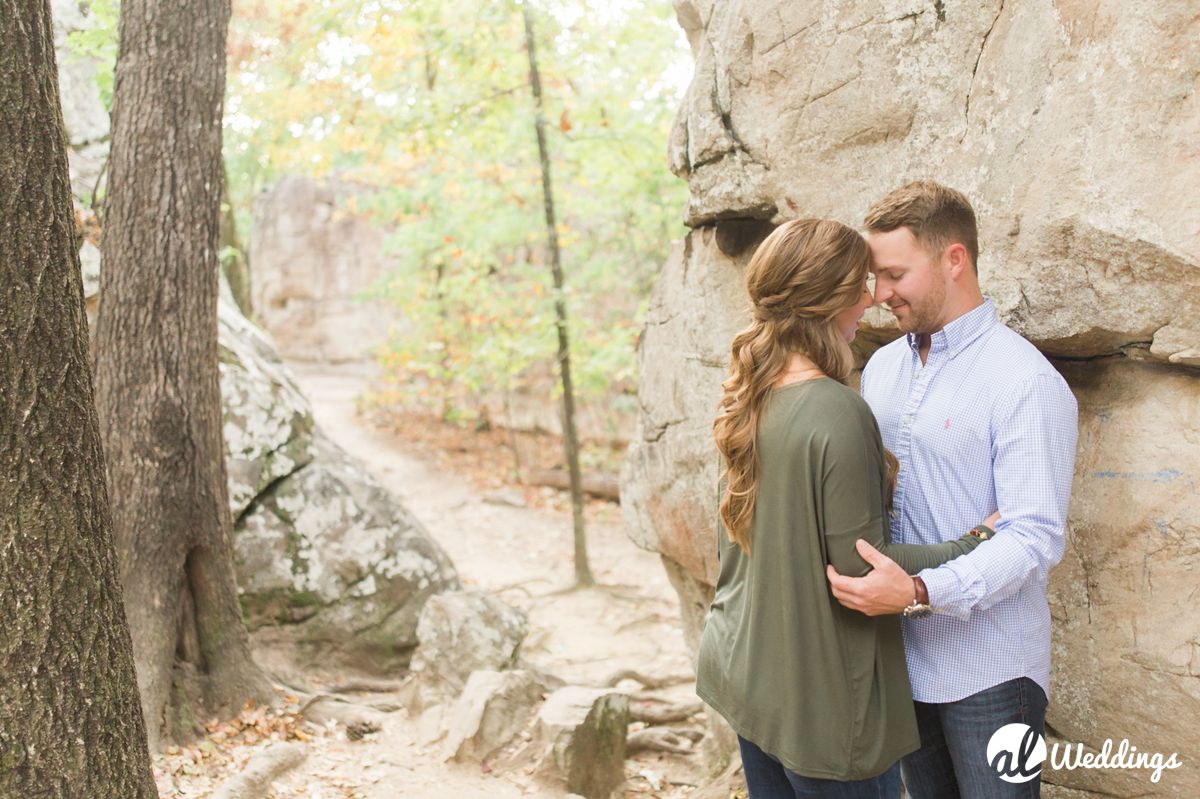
(583, 572)
(156, 366)
(70, 721)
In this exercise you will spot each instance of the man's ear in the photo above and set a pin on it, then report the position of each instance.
(958, 259)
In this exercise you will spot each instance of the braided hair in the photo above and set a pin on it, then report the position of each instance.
(800, 278)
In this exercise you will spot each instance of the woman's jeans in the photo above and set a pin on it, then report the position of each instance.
(768, 779)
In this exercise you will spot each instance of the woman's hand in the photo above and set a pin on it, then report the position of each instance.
(991, 520)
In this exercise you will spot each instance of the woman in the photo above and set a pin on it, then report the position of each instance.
(818, 694)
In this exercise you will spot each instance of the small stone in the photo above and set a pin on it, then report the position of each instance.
(584, 731)
(461, 632)
(490, 711)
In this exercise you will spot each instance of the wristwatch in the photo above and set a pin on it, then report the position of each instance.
(920, 607)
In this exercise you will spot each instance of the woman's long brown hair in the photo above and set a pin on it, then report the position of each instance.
(802, 275)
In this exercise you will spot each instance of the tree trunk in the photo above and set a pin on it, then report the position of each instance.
(158, 392)
(70, 722)
(583, 572)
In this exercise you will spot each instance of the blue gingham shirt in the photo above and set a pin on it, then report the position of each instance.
(985, 423)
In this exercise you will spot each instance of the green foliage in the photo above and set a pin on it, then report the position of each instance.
(428, 103)
(99, 41)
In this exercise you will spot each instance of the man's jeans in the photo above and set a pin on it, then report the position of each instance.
(767, 778)
(952, 762)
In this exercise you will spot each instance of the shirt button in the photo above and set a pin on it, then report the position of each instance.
(908, 420)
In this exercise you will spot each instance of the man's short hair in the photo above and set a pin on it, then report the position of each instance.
(936, 215)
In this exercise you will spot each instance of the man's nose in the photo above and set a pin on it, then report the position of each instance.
(883, 292)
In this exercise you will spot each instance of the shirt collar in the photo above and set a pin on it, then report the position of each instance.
(960, 332)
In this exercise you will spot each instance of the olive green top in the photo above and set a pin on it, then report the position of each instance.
(822, 688)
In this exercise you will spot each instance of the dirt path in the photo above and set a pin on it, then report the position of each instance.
(523, 555)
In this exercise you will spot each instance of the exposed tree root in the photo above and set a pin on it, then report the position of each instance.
(366, 685)
(359, 720)
(648, 681)
(266, 767)
(658, 711)
(662, 739)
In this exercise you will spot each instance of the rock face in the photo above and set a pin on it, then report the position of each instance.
(318, 542)
(328, 542)
(268, 424)
(1071, 126)
(311, 259)
(1126, 637)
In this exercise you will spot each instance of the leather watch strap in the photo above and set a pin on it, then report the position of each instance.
(921, 592)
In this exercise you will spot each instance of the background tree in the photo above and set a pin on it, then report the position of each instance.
(583, 571)
(156, 364)
(70, 721)
(425, 103)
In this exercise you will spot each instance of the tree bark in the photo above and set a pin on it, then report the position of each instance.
(70, 722)
(583, 572)
(158, 391)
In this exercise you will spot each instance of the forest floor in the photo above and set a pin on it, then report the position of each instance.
(504, 537)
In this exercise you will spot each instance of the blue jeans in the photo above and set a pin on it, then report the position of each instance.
(952, 762)
(767, 778)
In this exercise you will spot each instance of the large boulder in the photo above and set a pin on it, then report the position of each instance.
(269, 430)
(318, 541)
(328, 547)
(314, 259)
(1071, 127)
(1126, 636)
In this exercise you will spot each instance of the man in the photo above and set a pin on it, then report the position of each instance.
(979, 420)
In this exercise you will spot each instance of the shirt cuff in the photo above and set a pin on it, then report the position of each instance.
(946, 594)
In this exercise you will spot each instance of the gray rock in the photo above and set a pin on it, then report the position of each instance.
(460, 632)
(582, 732)
(330, 547)
(492, 708)
(1126, 658)
(268, 424)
